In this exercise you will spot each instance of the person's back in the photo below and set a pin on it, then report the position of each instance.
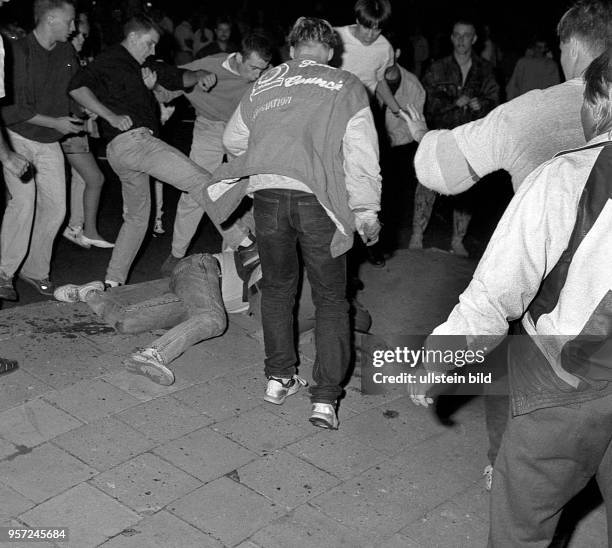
(532, 73)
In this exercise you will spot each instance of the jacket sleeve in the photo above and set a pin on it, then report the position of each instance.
(525, 247)
(361, 167)
(489, 98)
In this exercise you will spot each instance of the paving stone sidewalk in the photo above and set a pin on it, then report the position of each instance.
(123, 462)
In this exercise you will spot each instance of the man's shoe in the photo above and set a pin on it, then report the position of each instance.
(375, 257)
(324, 416)
(72, 293)
(7, 289)
(248, 255)
(158, 227)
(416, 241)
(109, 284)
(6, 365)
(168, 265)
(44, 286)
(74, 233)
(96, 243)
(458, 248)
(279, 389)
(488, 476)
(146, 363)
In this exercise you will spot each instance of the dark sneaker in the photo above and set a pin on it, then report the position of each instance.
(44, 286)
(324, 416)
(168, 265)
(375, 257)
(7, 289)
(248, 255)
(278, 390)
(6, 366)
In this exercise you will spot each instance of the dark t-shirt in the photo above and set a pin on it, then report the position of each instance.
(37, 83)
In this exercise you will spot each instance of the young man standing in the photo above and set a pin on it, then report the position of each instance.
(305, 136)
(235, 74)
(460, 88)
(117, 88)
(36, 118)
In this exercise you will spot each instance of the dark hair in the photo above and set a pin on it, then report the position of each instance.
(42, 7)
(465, 22)
(259, 43)
(223, 20)
(312, 29)
(373, 14)
(140, 23)
(590, 21)
(598, 89)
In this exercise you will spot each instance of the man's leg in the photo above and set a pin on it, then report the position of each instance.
(327, 277)
(18, 215)
(50, 209)
(196, 282)
(424, 200)
(206, 151)
(136, 210)
(546, 458)
(277, 241)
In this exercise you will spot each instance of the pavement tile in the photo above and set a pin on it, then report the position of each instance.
(219, 398)
(474, 500)
(227, 510)
(43, 472)
(7, 449)
(399, 541)
(90, 515)
(285, 479)
(205, 454)
(163, 530)
(146, 483)
(392, 428)
(141, 387)
(388, 496)
(104, 443)
(235, 349)
(198, 365)
(305, 527)
(336, 453)
(44, 355)
(164, 419)
(12, 503)
(448, 525)
(35, 422)
(19, 387)
(248, 544)
(262, 431)
(92, 399)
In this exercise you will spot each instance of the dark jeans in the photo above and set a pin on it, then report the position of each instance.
(546, 458)
(284, 218)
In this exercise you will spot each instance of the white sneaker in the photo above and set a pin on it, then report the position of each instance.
(147, 362)
(158, 227)
(279, 389)
(72, 293)
(488, 476)
(324, 416)
(75, 235)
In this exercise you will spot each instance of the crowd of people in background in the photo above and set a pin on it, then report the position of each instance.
(294, 115)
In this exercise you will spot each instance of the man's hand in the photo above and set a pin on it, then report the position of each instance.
(368, 226)
(16, 163)
(68, 124)
(462, 101)
(206, 80)
(416, 122)
(475, 104)
(120, 122)
(149, 77)
(418, 390)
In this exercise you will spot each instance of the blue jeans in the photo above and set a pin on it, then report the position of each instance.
(284, 218)
(193, 310)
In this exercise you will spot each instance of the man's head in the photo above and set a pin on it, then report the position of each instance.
(141, 35)
(2, 2)
(584, 34)
(82, 32)
(56, 17)
(463, 37)
(370, 18)
(254, 56)
(596, 113)
(223, 30)
(314, 38)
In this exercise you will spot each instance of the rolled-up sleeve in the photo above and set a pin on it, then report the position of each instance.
(361, 165)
